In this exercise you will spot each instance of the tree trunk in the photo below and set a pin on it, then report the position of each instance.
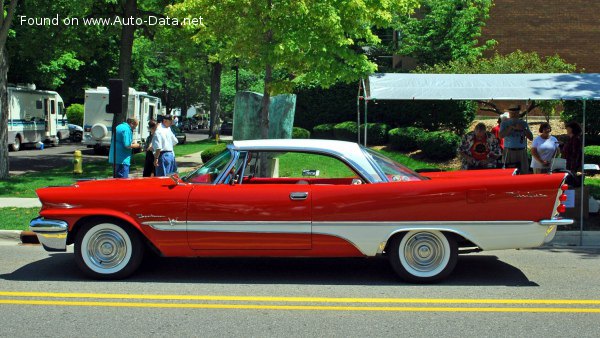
(4, 166)
(264, 114)
(8, 14)
(215, 98)
(126, 51)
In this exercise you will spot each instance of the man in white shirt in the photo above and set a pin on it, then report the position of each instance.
(163, 142)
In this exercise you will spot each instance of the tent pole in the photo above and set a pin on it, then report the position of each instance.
(366, 107)
(365, 137)
(581, 208)
(358, 110)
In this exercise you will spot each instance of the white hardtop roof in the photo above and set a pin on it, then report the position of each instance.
(328, 146)
(396, 86)
(349, 151)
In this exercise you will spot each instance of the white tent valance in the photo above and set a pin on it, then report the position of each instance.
(395, 86)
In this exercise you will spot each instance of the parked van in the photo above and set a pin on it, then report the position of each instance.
(35, 116)
(97, 123)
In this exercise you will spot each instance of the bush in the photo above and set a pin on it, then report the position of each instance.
(211, 152)
(376, 133)
(298, 132)
(592, 154)
(406, 139)
(346, 131)
(440, 145)
(324, 131)
(75, 114)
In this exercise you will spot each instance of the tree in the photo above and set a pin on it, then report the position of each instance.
(445, 30)
(294, 41)
(8, 11)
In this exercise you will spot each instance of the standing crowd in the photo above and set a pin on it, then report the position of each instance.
(506, 146)
(160, 158)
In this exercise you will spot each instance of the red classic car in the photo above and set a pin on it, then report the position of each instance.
(301, 198)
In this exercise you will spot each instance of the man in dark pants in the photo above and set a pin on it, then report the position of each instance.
(149, 161)
(163, 143)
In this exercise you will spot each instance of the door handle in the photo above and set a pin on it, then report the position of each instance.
(296, 196)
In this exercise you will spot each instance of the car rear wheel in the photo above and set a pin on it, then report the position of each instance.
(423, 256)
(108, 250)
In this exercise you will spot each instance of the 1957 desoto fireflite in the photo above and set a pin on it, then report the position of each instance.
(301, 198)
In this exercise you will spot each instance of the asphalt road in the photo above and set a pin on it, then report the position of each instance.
(31, 159)
(527, 293)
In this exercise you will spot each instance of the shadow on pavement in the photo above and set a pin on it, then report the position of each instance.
(471, 270)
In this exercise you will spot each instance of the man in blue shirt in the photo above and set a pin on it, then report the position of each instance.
(515, 133)
(123, 144)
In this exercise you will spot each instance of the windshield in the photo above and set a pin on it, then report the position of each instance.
(208, 173)
(392, 170)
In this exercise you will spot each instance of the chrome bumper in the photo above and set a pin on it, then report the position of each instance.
(52, 233)
(552, 225)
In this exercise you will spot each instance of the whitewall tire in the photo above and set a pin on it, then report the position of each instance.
(106, 250)
(423, 256)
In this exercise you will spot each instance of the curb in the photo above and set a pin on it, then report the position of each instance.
(19, 236)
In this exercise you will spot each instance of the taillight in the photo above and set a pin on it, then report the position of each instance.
(562, 198)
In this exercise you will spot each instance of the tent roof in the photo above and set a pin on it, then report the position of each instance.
(396, 86)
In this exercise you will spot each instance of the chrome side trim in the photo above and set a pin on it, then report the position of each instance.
(170, 225)
(52, 233)
(293, 227)
(556, 221)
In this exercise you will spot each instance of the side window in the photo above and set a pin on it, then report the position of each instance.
(295, 167)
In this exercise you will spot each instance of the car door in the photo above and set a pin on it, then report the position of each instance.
(249, 217)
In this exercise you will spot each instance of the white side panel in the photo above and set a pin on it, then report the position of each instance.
(370, 238)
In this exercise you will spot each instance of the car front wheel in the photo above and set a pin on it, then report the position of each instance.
(423, 256)
(107, 250)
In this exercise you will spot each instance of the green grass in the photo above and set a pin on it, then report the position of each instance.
(406, 160)
(17, 218)
(292, 164)
(26, 184)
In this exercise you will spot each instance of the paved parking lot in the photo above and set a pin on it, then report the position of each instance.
(30, 159)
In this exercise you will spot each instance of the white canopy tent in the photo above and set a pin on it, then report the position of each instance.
(485, 87)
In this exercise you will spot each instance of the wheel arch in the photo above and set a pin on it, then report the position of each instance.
(120, 220)
(462, 239)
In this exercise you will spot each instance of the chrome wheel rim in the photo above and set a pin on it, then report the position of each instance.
(424, 254)
(106, 248)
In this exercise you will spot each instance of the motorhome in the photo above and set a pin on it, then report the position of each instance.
(35, 116)
(97, 122)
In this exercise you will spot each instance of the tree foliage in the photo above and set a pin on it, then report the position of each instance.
(513, 63)
(293, 41)
(445, 30)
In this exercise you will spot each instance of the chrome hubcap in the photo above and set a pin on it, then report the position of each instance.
(106, 249)
(424, 252)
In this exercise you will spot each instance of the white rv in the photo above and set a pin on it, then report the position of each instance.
(35, 116)
(97, 123)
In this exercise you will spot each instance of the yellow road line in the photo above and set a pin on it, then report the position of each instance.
(300, 299)
(296, 307)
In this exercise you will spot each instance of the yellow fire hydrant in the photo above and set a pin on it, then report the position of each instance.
(77, 162)
(217, 138)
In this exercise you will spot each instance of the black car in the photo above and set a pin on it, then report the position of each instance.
(181, 137)
(226, 128)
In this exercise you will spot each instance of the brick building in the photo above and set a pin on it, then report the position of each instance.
(570, 29)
